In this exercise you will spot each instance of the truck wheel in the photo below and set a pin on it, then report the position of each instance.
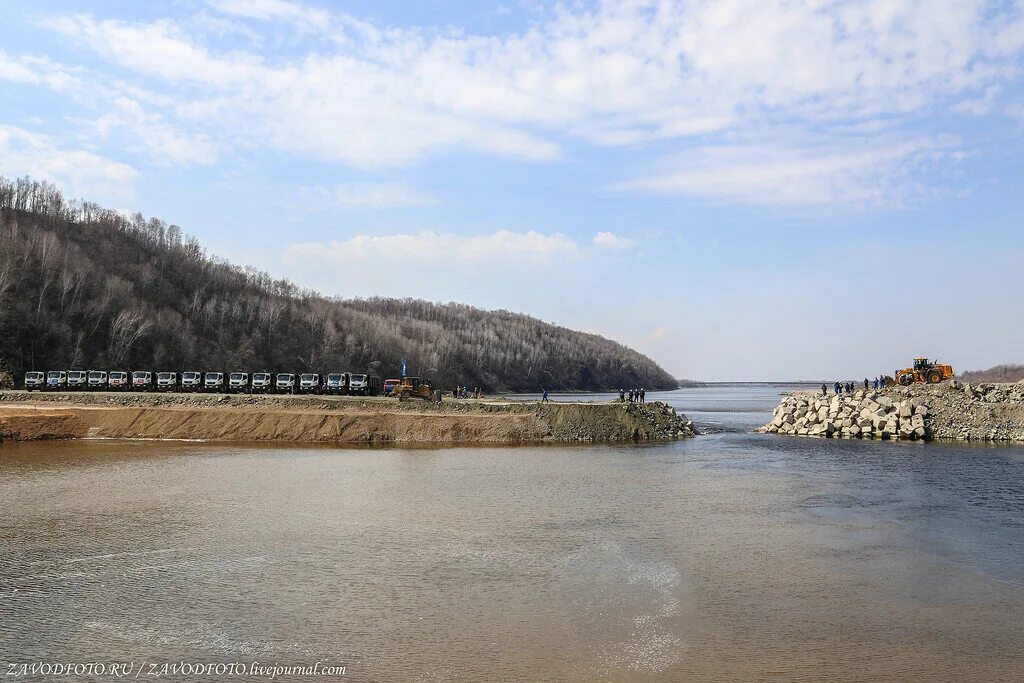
(934, 377)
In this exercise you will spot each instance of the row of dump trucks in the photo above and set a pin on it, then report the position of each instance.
(337, 383)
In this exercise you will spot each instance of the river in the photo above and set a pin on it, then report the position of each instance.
(730, 556)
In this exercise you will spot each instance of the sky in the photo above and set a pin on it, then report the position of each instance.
(741, 189)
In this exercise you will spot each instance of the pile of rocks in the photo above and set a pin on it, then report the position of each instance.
(865, 414)
(950, 411)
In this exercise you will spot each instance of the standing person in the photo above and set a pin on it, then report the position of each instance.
(865, 384)
(544, 396)
(836, 387)
(630, 395)
(824, 389)
(643, 396)
(622, 395)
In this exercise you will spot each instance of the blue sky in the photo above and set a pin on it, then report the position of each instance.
(741, 189)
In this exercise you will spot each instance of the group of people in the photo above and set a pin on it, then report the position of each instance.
(464, 392)
(841, 388)
(635, 395)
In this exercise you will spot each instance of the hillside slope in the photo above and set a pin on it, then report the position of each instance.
(82, 286)
(999, 373)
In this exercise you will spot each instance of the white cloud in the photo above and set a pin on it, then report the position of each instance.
(612, 74)
(151, 135)
(438, 250)
(36, 70)
(373, 195)
(301, 15)
(616, 74)
(835, 174)
(609, 240)
(79, 171)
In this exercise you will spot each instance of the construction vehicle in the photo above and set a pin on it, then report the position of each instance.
(166, 381)
(35, 381)
(923, 372)
(97, 380)
(76, 380)
(142, 380)
(414, 387)
(284, 383)
(336, 383)
(357, 385)
(117, 380)
(260, 383)
(56, 380)
(238, 382)
(309, 383)
(191, 380)
(213, 382)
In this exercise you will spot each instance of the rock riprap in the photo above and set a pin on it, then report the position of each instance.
(951, 410)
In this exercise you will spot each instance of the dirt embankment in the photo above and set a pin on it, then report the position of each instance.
(949, 411)
(315, 419)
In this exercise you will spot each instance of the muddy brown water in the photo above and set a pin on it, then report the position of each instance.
(730, 556)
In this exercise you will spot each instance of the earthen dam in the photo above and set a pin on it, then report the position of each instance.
(330, 420)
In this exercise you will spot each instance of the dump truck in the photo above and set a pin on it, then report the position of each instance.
(142, 380)
(35, 380)
(191, 380)
(56, 380)
(97, 380)
(238, 382)
(213, 382)
(414, 387)
(309, 383)
(117, 380)
(923, 372)
(357, 384)
(260, 383)
(166, 381)
(284, 383)
(336, 383)
(77, 380)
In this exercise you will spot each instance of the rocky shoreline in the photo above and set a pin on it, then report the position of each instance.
(324, 419)
(947, 411)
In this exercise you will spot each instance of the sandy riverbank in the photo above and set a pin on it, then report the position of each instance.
(321, 419)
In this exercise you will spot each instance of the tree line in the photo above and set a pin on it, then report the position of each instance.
(82, 286)
(999, 373)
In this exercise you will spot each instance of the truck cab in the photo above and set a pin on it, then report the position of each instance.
(35, 380)
(97, 380)
(335, 383)
(284, 383)
(117, 380)
(191, 380)
(142, 380)
(56, 380)
(309, 383)
(213, 381)
(238, 382)
(358, 385)
(389, 385)
(76, 379)
(166, 381)
(260, 383)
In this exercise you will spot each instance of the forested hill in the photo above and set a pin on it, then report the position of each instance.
(86, 287)
(999, 373)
